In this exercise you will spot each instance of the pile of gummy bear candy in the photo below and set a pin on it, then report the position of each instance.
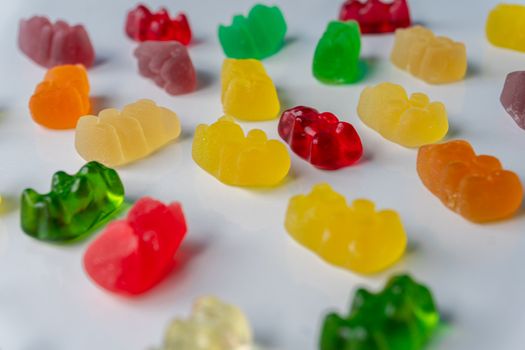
(132, 255)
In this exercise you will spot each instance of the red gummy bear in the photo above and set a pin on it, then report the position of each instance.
(320, 138)
(377, 16)
(143, 25)
(133, 255)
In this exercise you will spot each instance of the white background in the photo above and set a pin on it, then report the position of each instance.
(237, 248)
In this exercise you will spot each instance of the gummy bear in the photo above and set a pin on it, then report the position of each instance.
(320, 138)
(476, 187)
(505, 24)
(377, 16)
(132, 255)
(76, 204)
(248, 92)
(403, 316)
(54, 44)
(336, 57)
(168, 64)
(62, 98)
(234, 159)
(434, 59)
(115, 138)
(410, 122)
(513, 97)
(259, 35)
(143, 25)
(212, 325)
(356, 237)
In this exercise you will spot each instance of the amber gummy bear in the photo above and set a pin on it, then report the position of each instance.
(62, 98)
(434, 59)
(474, 186)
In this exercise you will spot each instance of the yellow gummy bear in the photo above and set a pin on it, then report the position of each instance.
(410, 122)
(115, 138)
(434, 59)
(213, 325)
(223, 151)
(505, 26)
(248, 92)
(357, 237)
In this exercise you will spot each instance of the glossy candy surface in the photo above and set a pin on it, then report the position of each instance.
(234, 159)
(434, 59)
(53, 44)
(513, 97)
(409, 121)
(212, 325)
(168, 64)
(62, 98)
(336, 57)
(119, 137)
(376, 16)
(258, 35)
(355, 237)
(474, 186)
(505, 25)
(403, 316)
(248, 93)
(132, 255)
(142, 25)
(75, 205)
(320, 138)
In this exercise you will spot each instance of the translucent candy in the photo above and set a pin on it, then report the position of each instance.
(320, 138)
(212, 325)
(248, 92)
(513, 97)
(410, 122)
(116, 138)
(434, 59)
(476, 187)
(54, 44)
(234, 159)
(142, 25)
(168, 64)
(377, 16)
(132, 255)
(355, 237)
(75, 205)
(62, 98)
(258, 35)
(505, 25)
(336, 57)
(403, 316)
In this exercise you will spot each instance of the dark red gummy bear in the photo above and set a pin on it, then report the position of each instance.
(143, 25)
(377, 16)
(133, 255)
(320, 138)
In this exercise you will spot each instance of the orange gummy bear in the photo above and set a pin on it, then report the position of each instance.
(62, 98)
(476, 187)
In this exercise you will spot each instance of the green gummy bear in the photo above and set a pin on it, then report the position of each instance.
(336, 58)
(403, 316)
(75, 205)
(258, 36)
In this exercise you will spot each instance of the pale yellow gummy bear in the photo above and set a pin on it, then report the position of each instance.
(248, 92)
(115, 138)
(434, 59)
(356, 237)
(222, 150)
(212, 325)
(410, 122)
(506, 26)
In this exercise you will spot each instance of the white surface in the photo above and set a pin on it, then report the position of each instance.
(237, 248)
